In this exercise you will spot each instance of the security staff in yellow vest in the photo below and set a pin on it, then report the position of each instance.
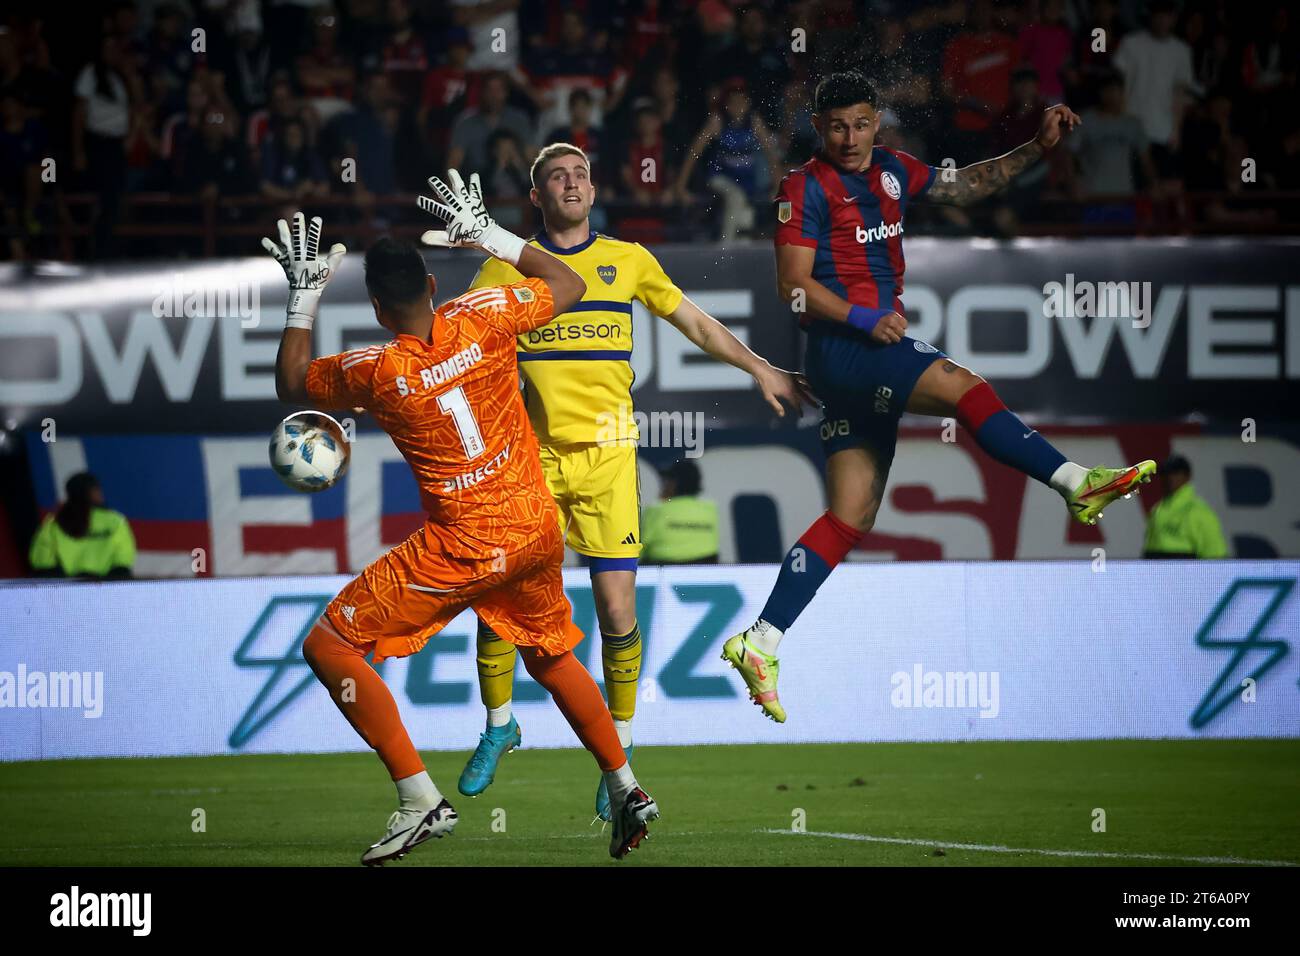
(1182, 525)
(683, 529)
(83, 539)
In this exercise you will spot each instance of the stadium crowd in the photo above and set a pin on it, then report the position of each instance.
(690, 110)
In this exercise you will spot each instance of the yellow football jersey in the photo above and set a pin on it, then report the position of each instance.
(578, 367)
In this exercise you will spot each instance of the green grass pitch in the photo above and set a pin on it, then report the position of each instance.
(965, 804)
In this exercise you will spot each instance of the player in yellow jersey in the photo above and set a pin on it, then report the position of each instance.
(578, 384)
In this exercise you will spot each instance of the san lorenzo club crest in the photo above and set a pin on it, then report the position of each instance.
(890, 182)
(607, 274)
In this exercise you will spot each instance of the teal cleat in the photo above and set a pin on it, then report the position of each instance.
(602, 792)
(493, 743)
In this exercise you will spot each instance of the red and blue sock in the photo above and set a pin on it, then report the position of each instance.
(806, 565)
(1002, 434)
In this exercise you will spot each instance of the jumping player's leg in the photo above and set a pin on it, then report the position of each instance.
(946, 389)
(855, 484)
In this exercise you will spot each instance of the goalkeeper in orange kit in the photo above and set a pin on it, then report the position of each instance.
(445, 389)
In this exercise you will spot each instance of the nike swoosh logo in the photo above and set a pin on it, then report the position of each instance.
(850, 199)
(1027, 434)
(1121, 480)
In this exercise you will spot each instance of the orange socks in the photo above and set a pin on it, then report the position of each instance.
(365, 699)
(579, 700)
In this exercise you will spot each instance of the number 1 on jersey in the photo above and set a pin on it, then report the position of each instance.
(453, 403)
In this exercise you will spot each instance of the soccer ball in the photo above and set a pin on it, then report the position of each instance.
(309, 451)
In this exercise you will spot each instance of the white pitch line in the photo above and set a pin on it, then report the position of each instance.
(992, 848)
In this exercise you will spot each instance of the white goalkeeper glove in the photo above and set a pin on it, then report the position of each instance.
(467, 219)
(307, 271)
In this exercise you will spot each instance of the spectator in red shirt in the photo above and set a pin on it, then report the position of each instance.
(645, 170)
(449, 88)
(325, 73)
(977, 81)
(404, 59)
(1046, 45)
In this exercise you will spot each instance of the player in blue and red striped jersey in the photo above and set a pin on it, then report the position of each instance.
(839, 260)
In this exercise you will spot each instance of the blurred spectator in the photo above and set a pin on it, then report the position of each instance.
(1157, 68)
(404, 58)
(216, 164)
(291, 170)
(1211, 51)
(1265, 56)
(282, 108)
(683, 528)
(1099, 36)
(1182, 525)
(645, 170)
(580, 131)
(901, 84)
(100, 125)
(1017, 125)
(368, 135)
(469, 134)
(170, 59)
(327, 76)
(22, 149)
(977, 81)
(574, 63)
(1046, 45)
(83, 538)
(448, 89)
(736, 141)
(1107, 144)
(757, 60)
(675, 120)
(250, 71)
(506, 178)
(493, 27)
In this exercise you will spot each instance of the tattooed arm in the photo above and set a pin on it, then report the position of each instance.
(980, 180)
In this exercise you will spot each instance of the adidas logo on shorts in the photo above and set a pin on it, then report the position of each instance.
(348, 610)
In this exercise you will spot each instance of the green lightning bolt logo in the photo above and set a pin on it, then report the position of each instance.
(1216, 700)
(287, 678)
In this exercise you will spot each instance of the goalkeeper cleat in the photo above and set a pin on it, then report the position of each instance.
(759, 671)
(1101, 486)
(630, 823)
(493, 743)
(407, 829)
(602, 792)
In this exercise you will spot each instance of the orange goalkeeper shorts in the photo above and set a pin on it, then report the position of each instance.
(411, 593)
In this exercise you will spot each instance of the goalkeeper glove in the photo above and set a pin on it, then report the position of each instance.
(467, 219)
(308, 273)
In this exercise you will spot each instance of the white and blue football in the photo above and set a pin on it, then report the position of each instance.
(309, 451)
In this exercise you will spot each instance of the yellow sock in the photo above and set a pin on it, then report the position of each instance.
(620, 655)
(496, 668)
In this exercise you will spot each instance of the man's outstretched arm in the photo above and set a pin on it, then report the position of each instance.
(307, 272)
(980, 180)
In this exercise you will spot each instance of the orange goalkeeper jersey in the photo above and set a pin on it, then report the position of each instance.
(453, 408)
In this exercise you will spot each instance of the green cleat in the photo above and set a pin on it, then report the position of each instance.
(1101, 486)
(759, 671)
